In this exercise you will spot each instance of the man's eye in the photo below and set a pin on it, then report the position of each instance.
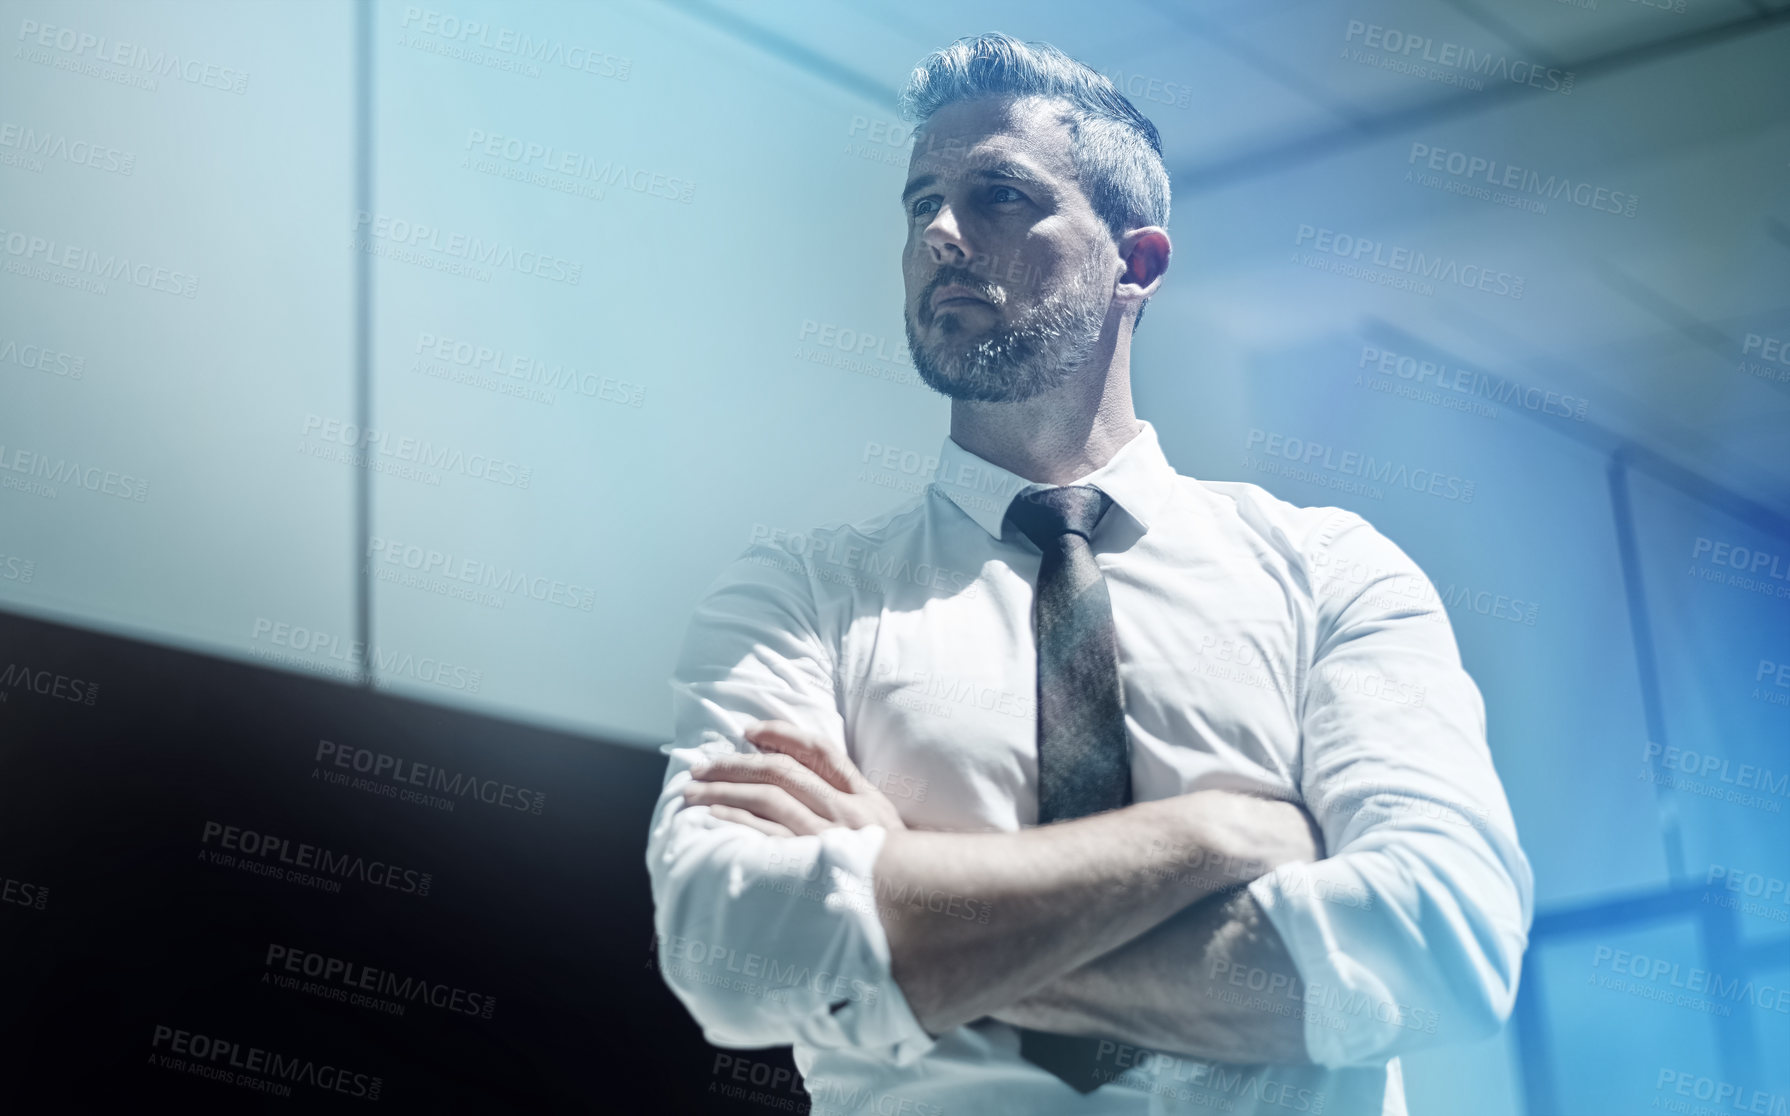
(923, 206)
(1000, 194)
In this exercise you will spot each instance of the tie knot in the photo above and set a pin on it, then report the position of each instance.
(1046, 514)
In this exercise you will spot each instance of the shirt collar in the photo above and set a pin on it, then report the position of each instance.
(1138, 478)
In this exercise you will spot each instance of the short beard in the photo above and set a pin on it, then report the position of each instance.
(1040, 352)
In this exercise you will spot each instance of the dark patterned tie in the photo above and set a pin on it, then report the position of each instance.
(1084, 755)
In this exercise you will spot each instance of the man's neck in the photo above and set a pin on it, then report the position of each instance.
(1061, 435)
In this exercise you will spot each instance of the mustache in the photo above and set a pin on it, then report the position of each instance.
(959, 276)
(963, 276)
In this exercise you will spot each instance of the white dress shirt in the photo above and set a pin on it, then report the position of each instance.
(1263, 647)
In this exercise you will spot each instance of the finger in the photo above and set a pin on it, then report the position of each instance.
(806, 748)
(735, 814)
(772, 803)
(778, 770)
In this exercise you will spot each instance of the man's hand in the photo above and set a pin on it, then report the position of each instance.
(1166, 990)
(1060, 896)
(797, 786)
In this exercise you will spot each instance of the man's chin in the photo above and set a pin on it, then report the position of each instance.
(954, 383)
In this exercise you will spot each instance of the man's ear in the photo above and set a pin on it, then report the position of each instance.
(1145, 252)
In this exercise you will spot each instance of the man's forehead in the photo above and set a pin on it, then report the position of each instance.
(985, 132)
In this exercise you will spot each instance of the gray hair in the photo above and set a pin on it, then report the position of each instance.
(1116, 150)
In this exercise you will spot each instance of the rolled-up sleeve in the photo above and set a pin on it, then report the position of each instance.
(767, 940)
(1411, 932)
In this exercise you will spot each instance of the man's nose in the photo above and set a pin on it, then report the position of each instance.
(945, 238)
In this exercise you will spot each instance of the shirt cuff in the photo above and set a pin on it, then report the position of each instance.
(871, 1014)
(1345, 1022)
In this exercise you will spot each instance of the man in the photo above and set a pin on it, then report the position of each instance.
(1017, 798)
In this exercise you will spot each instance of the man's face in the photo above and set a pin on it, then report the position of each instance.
(1009, 272)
